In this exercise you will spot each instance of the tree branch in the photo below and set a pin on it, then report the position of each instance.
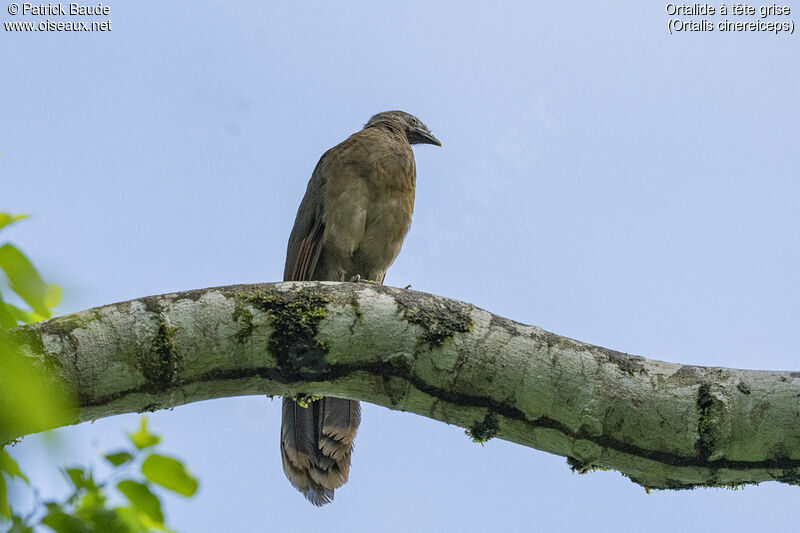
(664, 425)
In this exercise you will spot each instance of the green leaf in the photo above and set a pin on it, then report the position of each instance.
(143, 438)
(80, 478)
(53, 295)
(107, 521)
(135, 520)
(11, 315)
(169, 473)
(7, 318)
(9, 465)
(24, 279)
(18, 526)
(5, 510)
(75, 475)
(92, 500)
(30, 399)
(61, 522)
(16, 315)
(118, 458)
(142, 499)
(7, 219)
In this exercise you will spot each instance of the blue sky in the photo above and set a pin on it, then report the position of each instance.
(599, 177)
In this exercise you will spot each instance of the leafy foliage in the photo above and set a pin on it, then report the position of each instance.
(9, 468)
(134, 474)
(28, 392)
(24, 280)
(28, 397)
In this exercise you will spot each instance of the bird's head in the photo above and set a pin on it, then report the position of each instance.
(416, 132)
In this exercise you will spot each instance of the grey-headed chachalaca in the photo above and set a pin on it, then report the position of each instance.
(350, 224)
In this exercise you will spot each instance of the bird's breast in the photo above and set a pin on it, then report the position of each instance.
(389, 209)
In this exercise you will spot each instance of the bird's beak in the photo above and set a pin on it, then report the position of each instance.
(426, 137)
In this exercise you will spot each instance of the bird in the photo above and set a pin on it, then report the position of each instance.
(350, 226)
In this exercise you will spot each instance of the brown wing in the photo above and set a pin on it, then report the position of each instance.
(305, 241)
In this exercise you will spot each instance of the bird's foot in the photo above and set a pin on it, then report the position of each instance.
(358, 279)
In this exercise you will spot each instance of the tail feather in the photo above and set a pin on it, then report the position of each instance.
(317, 443)
(338, 424)
(298, 440)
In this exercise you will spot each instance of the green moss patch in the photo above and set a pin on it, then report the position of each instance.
(576, 465)
(295, 318)
(485, 430)
(305, 400)
(707, 422)
(244, 318)
(162, 364)
(440, 318)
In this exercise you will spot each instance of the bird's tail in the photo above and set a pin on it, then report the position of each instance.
(316, 445)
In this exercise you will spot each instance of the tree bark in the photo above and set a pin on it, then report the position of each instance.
(664, 425)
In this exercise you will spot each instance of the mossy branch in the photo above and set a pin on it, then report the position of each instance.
(664, 425)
